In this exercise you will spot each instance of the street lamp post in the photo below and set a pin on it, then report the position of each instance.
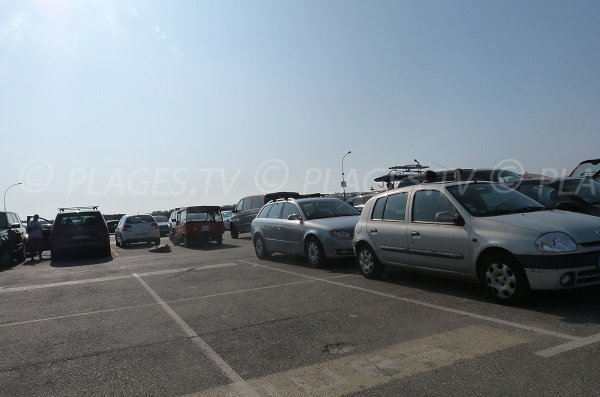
(343, 180)
(16, 184)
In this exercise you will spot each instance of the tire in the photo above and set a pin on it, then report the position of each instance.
(233, 231)
(156, 241)
(313, 250)
(6, 257)
(260, 248)
(22, 253)
(369, 265)
(124, 244)
(503, 279)
(117, 242)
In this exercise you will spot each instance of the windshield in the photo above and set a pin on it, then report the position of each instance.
(328, 208)
(160, 218)
(587, 169)
(491, 199)
(586, 190)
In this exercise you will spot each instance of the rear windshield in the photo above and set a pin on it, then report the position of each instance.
(79, 219)
(209, 215)
(139, 219)
(160, 218)
(328, 208)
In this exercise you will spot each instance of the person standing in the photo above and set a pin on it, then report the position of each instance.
(34, 232)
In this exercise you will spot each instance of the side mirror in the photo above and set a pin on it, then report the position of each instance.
(449, 217)
(294, 217)
(15, 225)
(173, 220)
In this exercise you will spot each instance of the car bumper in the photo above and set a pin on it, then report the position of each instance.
(551, 272)
(338, 248)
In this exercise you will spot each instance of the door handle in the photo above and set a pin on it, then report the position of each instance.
(415, 234)
(373, 230)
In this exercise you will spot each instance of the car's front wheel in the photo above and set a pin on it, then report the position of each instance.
(6, 257)
(503, 279)
(233, 231)
(260, 248)
(369, 265)
(313, 250)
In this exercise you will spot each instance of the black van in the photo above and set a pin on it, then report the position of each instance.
(247, 208)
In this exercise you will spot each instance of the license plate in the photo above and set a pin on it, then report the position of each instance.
(80, 237)
(205, 228)
(141, 234)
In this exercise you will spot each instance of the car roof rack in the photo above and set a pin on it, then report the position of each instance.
(90, 207)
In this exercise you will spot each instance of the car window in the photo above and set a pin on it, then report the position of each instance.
(257, 201)
(491, 199)
(428, 203)
(327, 208)
(586, 190)
(289, 209)
(79, 219)
(264, 211)
(275, 211)
(3, 221)
(395, 207)
(139, 219)
(378, 208)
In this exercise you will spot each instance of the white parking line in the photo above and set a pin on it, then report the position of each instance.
(565, 347)
(513, 324)
(110, 278)
(114, 252)
(239, 383)
(241, 291)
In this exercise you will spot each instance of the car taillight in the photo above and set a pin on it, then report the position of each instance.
(126, 227)
(154, 225)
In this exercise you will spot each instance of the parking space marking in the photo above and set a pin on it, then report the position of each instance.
(111, 278)
(565, 347)
(37, 320)
(360, 372)
(512, 324)
(239, 384)
(114, 252)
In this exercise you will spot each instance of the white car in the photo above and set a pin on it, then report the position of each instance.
(479, 231)
(137, 229)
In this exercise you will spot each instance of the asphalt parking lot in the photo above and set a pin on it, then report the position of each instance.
(216, 321)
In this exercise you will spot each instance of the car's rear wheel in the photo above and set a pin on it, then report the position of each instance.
(369, 265)
(260, 248)
(23, 252)
(117, 241)
(156, 241)
(233, 231)
(313, 250)
(503, 279)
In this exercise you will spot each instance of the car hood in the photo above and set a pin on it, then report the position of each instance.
(583, 228)
(335, 223)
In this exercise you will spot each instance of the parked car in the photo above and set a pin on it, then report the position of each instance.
(112, 225)
(79, 229)
(197, 225)
(570, 194)
(587, 169)
(317, 228)
(465, 174)
(359, 201)
(479, 231)
(137, 229)
(247, 208)
(13, 238)
(226, 215)
(163, 224)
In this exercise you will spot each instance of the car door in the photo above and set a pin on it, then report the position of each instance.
(433, 244)
(387, 228)
(271, 228)
(292, 230)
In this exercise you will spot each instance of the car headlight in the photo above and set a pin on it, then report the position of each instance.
(346, 234)
(555, 242)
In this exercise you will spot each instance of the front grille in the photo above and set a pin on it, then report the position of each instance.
(588, 276)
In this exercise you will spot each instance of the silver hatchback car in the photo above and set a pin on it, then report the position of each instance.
(479, 231)
(317, 228)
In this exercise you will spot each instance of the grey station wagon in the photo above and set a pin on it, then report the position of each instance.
(479, 231)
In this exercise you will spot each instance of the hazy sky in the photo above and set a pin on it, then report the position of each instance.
(143, 105)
